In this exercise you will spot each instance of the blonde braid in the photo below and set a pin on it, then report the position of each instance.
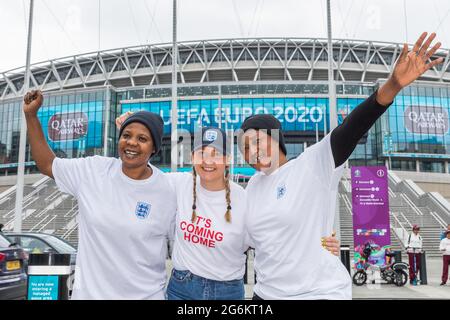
(194, 195)
(228, 195)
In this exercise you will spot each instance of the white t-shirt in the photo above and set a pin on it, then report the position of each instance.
(290, 210)
(123, 225)
(445, 246)
(210, 247)
(414, 241)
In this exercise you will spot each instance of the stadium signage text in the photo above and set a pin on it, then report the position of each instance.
(423, 119)
(288, 114)
(67, 126)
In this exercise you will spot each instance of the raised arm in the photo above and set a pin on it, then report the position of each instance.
(40, 151)
(409, 67)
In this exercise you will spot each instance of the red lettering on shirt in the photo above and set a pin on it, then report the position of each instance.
(200, 232)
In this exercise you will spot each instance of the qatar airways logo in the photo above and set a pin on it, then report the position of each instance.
(67, 126)
(421, 119)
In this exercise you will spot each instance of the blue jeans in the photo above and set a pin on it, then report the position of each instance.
(184, 285)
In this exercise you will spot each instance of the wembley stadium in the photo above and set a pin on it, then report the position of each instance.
(221, 82)
(286, 77)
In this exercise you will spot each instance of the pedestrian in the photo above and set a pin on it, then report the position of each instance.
(445, 248)
(414, 250)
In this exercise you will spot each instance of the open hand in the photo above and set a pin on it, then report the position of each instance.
(120, 119)
(412, 64)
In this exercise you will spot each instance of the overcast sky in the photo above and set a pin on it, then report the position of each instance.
(67, 27)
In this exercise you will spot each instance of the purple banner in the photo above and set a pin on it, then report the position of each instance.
(370, 205)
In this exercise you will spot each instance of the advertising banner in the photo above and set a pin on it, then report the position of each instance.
(370, 205)
(73, 126)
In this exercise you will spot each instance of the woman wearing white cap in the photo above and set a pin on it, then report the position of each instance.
(210, 234)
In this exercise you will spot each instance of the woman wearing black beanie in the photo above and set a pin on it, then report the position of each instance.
(293, 203)
(126, 209)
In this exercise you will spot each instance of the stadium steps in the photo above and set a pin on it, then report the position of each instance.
(48, 210)
(45, 209)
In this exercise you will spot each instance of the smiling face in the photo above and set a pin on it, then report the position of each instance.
(135, 145)
(209, 164)
(260, 150)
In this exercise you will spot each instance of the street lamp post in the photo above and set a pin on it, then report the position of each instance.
(174, 111)
(23, 132)
(332, 103)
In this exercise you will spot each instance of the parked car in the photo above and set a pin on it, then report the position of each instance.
(13, 278)
(35, 242)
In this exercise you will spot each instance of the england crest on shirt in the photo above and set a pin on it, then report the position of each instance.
(281, 191)
(142, 210)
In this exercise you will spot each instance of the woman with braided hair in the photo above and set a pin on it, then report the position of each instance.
(210, 242)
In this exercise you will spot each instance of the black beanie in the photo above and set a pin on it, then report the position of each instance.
(152, 121)
(265, 122)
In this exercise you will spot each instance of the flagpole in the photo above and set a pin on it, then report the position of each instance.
(23, 131)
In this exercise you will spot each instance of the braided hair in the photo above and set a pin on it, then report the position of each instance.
(227, 195)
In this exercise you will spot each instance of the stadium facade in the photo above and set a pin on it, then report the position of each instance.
(223, 81)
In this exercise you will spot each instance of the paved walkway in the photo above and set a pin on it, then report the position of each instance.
(430, 291)
(384, 291)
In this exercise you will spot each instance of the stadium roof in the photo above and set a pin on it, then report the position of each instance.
(251, 59)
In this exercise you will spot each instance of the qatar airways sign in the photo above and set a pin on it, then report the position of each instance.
(421, 119)
(67, 126)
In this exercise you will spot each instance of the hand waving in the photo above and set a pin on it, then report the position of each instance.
(412, 64)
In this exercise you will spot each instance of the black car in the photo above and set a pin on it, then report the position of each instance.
(13, 279)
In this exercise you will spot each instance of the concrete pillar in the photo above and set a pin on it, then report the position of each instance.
(417, 165)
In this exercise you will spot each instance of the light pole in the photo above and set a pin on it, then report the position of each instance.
(332, 103)
(23, 131)
(174, 111)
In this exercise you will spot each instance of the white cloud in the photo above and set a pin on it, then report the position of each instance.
(68, 27)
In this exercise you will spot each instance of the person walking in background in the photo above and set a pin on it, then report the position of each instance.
(445, 248)
(414, 250)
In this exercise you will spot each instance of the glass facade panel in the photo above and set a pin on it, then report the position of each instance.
(73, 125)
(418, 124)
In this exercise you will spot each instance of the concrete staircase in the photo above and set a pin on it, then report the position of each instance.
(45, 209)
